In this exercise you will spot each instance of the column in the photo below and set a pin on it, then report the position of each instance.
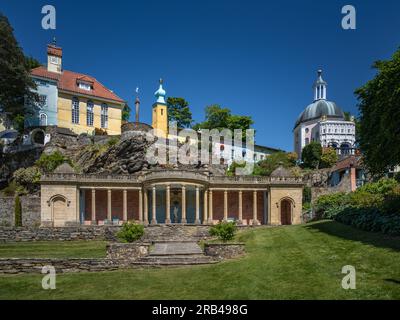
(240, 207)
(168, 205)
(125, 205)
(140, 206)
(153, 212)
(183, 205)
(78, 205)
(197, 220)
(109, 218)
(255, 221)
(225, 205)
(205, 207)
(210, 208)
(146, 208)
(94, 206)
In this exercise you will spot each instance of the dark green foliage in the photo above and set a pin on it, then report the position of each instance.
(311, 155)
(222, 118)
(126, 113)
(273, 161)
(49, 162)
(31, 63)
(178, 110)
(17, 98)
(130, 232)
(379, 128)
(28, 178)
(18, 212)
(373, 207)
(225, 231)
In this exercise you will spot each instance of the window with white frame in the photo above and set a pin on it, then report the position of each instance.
(89, 113)
(75, 110)
(43, 119)
(84, 86)
(104, 115)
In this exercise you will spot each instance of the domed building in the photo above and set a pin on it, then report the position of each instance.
(324, 121)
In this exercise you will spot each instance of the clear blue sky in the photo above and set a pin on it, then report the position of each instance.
(258, 58)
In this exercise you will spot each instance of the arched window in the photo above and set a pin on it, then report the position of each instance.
(75, 110)
(43, 119)
(104, 115)
(89, 113)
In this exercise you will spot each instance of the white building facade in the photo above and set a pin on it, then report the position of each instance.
(324, 122)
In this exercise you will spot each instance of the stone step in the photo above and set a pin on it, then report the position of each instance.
(175, 260)
(175, 248)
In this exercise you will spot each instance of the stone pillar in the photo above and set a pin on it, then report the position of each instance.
(210, 208)
(78, 205)
(240, 218)
(183, 205)
(225, 205)
(94, 206)
(205, 207)
(255, 221)
(197, 220)
(168, 205)
(125, 205)
(146, 208)
(140, 206)
(153, 212)
(109, 218)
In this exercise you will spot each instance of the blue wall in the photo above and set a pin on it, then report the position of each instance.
(49, 89)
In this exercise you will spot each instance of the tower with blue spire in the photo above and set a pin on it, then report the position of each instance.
(160, 111)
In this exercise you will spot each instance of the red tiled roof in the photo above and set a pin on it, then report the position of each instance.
(68, 81)
(351, 161)
(55, 51)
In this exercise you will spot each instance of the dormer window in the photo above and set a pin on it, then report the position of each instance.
(85, 86)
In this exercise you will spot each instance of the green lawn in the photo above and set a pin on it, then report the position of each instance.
(295, 262)
(54, 249)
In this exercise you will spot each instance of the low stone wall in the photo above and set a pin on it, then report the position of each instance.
(61, 234)
(224, 250)
(30, 211)
(176, 232)
(35, 265)
(127, 251)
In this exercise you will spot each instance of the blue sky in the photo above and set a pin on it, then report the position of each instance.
(258, 58)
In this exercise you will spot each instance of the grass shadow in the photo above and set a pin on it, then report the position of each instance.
(350, 233)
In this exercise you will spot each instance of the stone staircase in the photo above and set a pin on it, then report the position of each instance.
(175, 253)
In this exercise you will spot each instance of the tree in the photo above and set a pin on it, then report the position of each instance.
(311, 155)
(178, 110)
(126, 113)
(17, 212)
(32, 63)
(379, 128)
(328, 158)
(222, 118)
(16, 96)
(273, 161)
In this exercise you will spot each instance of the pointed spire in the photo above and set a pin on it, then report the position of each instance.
(320, 87)
(160, 93)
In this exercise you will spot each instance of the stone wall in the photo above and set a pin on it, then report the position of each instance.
(35, 265)
(30, 211)
(224, 250)
(8, 234)
(343, 186)
(127, 251)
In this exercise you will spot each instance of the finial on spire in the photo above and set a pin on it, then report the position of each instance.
(137, 105)
(54, 42)
(160, 93)
(319, 87)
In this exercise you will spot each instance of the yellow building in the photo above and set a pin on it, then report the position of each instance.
(75, 101)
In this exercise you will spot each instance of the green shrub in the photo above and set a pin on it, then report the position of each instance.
(363, 199)
(27, 177)
(225, 231)
(49, 162)
(130, 232)
(383, 186)
(13, 188)
(18, 212)
(112, 142)
(329, 201)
